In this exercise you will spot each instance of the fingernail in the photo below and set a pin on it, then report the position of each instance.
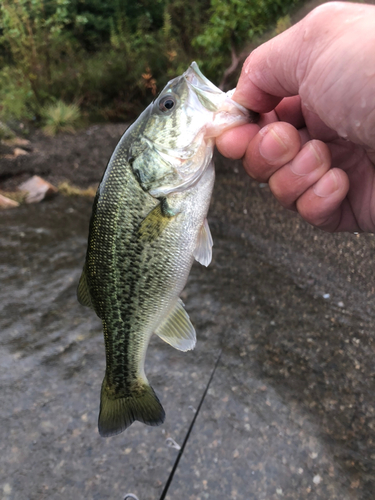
(306, 161)
(272, 147)
(327, 184)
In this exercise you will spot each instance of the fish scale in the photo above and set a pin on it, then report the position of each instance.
(147, 226)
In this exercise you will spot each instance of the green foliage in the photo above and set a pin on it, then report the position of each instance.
(233, 24)
(34, 32)
(6, 132)
(112, 56)
(16, 96)
(67, 189)
(60, 117)
(283, 24)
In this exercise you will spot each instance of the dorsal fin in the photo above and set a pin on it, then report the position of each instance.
(177, 329)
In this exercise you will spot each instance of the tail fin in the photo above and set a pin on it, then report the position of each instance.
(117, 414)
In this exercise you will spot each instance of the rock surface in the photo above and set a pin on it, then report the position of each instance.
(290, 412)
(37, 189)
(78, 158)
(6, 202)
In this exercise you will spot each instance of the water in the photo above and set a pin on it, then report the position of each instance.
(290, 412)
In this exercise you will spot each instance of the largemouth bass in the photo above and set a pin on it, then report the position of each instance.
(148, 224)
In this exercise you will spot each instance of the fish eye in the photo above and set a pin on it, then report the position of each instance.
(167, 103)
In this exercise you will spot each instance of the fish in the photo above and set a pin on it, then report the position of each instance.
(148, 225)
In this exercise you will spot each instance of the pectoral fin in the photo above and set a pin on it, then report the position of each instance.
(203, 250)
(156, 221)
(83, 292)
(177, 329)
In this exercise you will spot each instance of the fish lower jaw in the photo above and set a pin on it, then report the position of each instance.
(224, 121)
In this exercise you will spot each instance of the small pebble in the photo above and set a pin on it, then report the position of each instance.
(7, 489)
(326, 296)
(317, 479)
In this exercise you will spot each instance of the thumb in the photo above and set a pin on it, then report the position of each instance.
(310, 59)
(270, 73)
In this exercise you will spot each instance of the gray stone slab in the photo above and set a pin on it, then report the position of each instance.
(290, 412)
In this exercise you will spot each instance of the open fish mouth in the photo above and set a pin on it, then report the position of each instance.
(226, 112)
(198, 81)
(211, 96)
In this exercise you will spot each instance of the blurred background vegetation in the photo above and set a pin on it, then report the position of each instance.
(106, 59)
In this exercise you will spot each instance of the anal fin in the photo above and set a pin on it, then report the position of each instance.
(177, 329)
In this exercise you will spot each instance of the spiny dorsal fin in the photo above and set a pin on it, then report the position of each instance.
(154, 224)
(83, 293)
(203, 251)
(177, 329)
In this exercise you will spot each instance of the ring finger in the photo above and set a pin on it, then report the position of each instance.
(289, 182)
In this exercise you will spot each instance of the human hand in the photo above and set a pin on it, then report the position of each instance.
(315, 143)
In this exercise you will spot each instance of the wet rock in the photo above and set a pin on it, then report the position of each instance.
(37, 189)
(13, 148)
(19, 152)
(6, 150)
(79, 158)
(7, 202)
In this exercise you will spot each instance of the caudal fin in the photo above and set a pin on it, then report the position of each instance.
(117, 414)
